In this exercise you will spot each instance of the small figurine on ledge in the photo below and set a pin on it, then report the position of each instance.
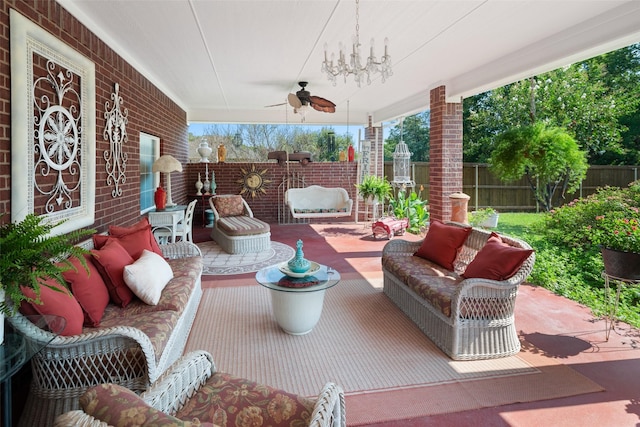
(222, 153)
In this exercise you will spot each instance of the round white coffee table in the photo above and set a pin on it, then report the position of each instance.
(297, 302)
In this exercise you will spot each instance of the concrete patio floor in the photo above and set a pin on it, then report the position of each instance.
(558, 328)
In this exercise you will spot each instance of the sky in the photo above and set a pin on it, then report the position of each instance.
(198, 129)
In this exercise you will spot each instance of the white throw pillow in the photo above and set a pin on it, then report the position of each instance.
(148, 276)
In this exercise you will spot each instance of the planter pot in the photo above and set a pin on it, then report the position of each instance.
(622, 265)
(491, 222)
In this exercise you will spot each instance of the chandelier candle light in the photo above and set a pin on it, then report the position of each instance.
(355, 66)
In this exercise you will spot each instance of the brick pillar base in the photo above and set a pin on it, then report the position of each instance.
(445, 155)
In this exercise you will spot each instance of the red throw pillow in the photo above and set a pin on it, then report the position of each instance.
(110, 261)
(58, 302)
(89, 290)
(134, 243)
(496, 260)
(143, 224)
(442, 243)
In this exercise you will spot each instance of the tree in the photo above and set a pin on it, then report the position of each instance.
(596, 101)
(547, 156)
(414, 131)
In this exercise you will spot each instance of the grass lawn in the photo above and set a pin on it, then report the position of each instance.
(570, 273)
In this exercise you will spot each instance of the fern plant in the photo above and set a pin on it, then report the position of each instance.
(29, 254)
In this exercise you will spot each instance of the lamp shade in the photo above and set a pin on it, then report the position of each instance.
(166, 164)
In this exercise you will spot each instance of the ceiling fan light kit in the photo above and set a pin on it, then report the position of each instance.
(354, 66)
(302, 102)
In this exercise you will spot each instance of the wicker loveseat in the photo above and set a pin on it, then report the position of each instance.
(130, 346)
(192, 393)
(466, 309)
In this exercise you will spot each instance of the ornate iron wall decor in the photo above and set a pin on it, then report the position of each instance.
(52, 128)
(115, 131)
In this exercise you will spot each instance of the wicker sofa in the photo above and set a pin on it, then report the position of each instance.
(192, 389)
(316, 201)
(131, 346)
(467, 317)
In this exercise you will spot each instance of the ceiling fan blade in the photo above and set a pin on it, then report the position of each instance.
(275, 105)
(294, 101)
(321, 104)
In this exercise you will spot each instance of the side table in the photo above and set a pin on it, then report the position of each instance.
(15, 352)
(297, 309)
(203, 204)
(610, 316)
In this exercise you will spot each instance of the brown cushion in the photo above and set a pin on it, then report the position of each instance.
(242, 226)
(496, 260)
(118, 406)
(442, 243)
(89, 289)
(110, 261)
(228, 206)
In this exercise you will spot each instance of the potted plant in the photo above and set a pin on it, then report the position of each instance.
(374, 190)
(618, 235)
(27, 250)
(485, 217)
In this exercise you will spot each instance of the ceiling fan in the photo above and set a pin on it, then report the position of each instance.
(302, 99)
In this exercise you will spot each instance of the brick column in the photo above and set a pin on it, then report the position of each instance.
(445, 165)
(377, 153)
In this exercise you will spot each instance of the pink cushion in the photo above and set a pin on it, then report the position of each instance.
(229, 206)
(496, 260)
(89, 290)
(143, 224)
(57, 302)
(110, 261)
(442, 243)
(118, 406)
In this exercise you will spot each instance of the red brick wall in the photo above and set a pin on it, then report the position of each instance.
(265, 206)
(150, 111)
(445, 168)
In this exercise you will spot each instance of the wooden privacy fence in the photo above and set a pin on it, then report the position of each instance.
(487, 190)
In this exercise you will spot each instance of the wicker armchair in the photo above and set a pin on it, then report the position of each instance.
(178, 395)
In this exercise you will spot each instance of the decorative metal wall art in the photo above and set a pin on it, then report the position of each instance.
(115, 131)
(52, 128)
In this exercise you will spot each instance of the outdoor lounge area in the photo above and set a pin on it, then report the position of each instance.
(554, 331)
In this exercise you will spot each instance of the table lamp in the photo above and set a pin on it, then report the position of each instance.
(167, 164)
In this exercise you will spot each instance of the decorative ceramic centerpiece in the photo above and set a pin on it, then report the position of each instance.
(298, 264)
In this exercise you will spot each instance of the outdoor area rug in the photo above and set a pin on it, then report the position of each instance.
(388, 368)
(217, 262)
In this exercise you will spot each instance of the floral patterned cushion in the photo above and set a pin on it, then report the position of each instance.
(230, 401)
(229, 206)
(118, 406)
(157, 325)
(426, 278)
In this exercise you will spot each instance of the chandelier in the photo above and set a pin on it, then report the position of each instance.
(354, 66)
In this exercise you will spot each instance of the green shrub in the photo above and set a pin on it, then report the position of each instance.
(411, 207)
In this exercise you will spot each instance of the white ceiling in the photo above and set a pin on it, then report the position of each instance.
(224, 61)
